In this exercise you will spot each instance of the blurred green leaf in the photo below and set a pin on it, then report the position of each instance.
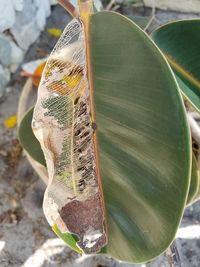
(28, 139)
(179, 41)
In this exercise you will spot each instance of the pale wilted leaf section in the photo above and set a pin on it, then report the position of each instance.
(63, 125)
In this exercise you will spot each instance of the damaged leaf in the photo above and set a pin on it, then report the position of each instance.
(62, 122)
(67, 238)
(136, 139)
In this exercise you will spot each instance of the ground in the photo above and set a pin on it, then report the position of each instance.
(25, 237)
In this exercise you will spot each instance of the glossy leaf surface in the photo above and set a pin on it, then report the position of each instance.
(143, 139)
(144, 144)
(68, 238)
(179, 41)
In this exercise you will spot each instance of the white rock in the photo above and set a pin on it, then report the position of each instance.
(188, 6)
(31, 66)
(26, 30)
(5, 51)
(5, 72)
(98, 5)
(7, 14)
(41, 19)
(17, 56)
(26, 35)
(30, 21)
(42, 13)
(18, 4)
(10, 54)
(53, 2)
(4, 79)
(44, 4)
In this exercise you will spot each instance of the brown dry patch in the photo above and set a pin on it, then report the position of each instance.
(81, 216)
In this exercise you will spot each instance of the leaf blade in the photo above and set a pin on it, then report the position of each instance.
(179, 41)
(133, 128)
(28, 139)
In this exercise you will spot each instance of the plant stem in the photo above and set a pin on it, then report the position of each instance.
(69, 7)
(195, 129)
(173, 256)
(111, 3)
(85, 8)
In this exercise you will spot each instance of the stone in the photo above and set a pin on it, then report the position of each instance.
(10, 54)
(4, 79)
(7, 15)
(187, 6)
(163, 17)
(98, 5)
(31, 66)
(18, 5)
(25, 30)
(30, 21)
(5, 51)
(17, 56)
(53, 2)
(42, 13)
(27, 35)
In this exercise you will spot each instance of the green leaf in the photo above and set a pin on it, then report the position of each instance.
(68, 238)
(143, 139)
(194, 191)
(28, 139)
(179, 41)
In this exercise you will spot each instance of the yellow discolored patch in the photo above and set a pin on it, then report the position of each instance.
(72, 80)
(68, 84)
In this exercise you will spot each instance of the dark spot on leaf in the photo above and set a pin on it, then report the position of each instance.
(76, 100)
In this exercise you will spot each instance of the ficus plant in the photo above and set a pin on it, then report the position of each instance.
(110, 126)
